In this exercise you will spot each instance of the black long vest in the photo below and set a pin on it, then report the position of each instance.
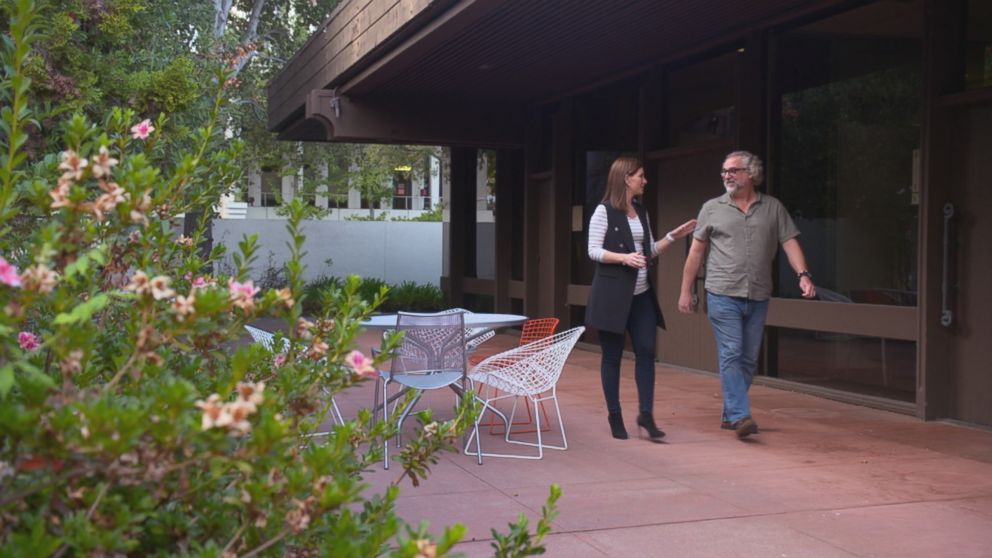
(613, 284)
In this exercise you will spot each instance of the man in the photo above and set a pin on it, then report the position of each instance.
(742, 229)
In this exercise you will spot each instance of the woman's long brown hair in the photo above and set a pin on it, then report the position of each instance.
(616, 183)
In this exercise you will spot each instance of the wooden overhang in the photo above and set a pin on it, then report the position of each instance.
(464, 72)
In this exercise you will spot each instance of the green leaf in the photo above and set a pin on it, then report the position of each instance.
(6, 380)
(82, 264)
(84, 311)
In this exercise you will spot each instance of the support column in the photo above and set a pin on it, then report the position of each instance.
(558, 253)
(752, 82)
(943, 72)
(509, 195)
(461, 227)
(537, 176)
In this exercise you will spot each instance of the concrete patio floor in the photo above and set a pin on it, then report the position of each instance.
(822, 478)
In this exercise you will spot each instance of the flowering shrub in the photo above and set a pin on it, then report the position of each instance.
(131, 420)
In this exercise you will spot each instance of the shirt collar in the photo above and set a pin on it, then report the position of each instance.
(727, 200)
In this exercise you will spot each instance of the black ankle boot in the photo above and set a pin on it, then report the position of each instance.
(616, 426)
(646, 421)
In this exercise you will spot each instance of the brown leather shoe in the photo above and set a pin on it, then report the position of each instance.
(745, 427)
(726, 425)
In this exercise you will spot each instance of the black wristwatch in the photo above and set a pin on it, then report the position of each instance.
(804, 273)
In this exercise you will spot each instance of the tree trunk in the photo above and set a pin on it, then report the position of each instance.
(222, 9)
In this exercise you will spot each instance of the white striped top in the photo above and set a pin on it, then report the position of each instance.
(597, 233)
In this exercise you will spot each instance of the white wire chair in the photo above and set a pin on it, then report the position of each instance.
(530, 371)
(430, 356)
(267, 340)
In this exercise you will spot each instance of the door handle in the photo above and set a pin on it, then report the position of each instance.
(946, 314)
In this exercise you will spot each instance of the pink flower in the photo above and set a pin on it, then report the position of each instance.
(361, 364)
(242, 294)
(8, 274)
(40, 278)
(185, 305)
(251, 394)
(142, 129)
(60, 195)
(102, 162)
(160, 288)
(239, 290)
(72, 164)
(28, 341)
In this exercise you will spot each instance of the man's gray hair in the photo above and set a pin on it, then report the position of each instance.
(753, 164)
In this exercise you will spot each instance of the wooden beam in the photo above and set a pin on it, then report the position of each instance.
(869, 320)
(438, 31)
(356, 33)
(429, 122)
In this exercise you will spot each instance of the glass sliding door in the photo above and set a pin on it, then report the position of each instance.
(846, 116)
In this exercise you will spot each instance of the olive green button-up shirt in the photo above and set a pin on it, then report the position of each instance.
(742, 245)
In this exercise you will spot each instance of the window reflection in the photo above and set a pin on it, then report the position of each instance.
(848, 146)
(701, 101)
(485, 223)
(978, 67)
(866, 365)
(595, 171)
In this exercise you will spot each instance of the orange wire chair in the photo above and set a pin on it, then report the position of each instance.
(532, 330)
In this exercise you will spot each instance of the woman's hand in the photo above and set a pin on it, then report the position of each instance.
(684, 230)
(634, 259)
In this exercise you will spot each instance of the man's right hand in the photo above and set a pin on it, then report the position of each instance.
(685, 303)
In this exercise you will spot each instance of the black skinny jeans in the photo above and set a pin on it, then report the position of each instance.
(641, 324)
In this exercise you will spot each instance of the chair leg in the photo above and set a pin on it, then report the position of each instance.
(540, 445)
(478, 438)
(486, 404)
(385, 420)
(530, 420)
(475, 432)
(540, 441)
(336, 412)
(403, 415)
(561, 423)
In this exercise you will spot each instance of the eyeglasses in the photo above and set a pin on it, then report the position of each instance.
(732, 170)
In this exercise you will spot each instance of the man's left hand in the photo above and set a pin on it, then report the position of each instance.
(806, 285)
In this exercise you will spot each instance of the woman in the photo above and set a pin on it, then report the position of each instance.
(622, 297)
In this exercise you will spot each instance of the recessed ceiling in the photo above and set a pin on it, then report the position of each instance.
(527, 50)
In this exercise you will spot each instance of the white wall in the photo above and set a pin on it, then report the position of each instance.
(394, 251)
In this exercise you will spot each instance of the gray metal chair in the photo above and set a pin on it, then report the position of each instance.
(474, 336)
(430, 356)
(267, 340)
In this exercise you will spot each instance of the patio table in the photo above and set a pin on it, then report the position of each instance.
(480, 322)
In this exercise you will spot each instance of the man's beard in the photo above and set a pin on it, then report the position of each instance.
(732, 188)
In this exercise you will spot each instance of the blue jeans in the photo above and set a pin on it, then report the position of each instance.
(738, 325)
(641, 324)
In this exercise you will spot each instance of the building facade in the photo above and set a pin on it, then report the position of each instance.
(873, 118)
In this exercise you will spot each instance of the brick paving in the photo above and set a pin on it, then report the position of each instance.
(822, 478)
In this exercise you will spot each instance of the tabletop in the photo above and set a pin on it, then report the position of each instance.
(472, 320)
